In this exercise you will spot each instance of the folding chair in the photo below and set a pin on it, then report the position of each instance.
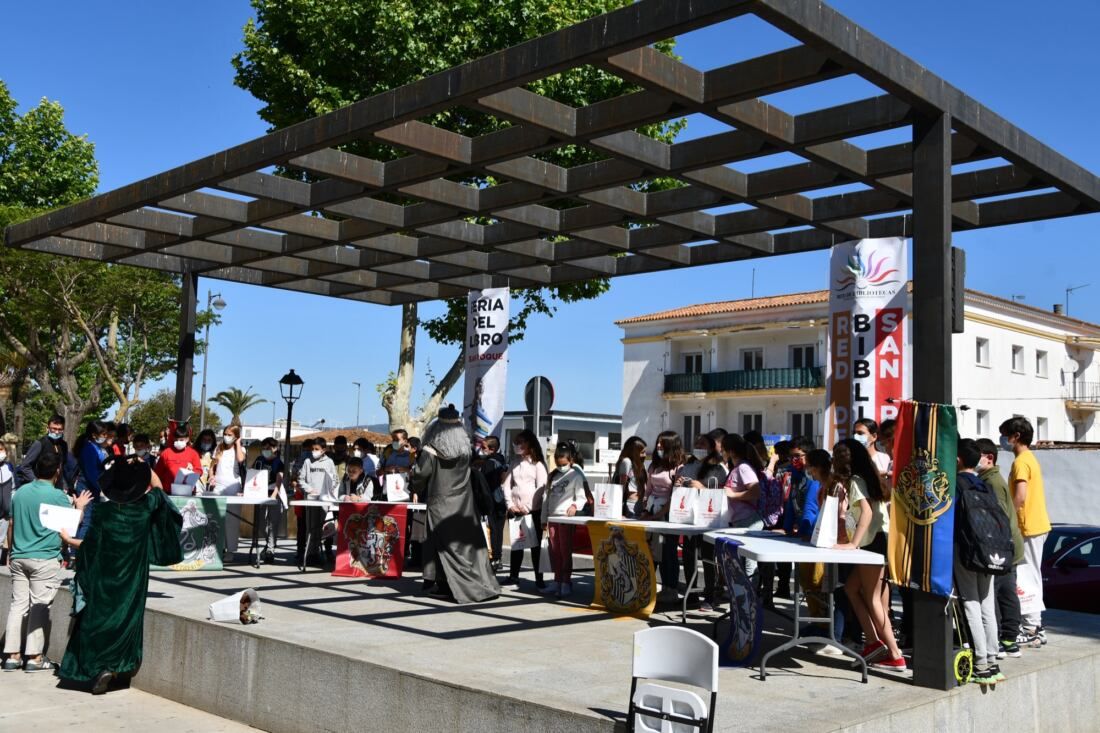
(672, 654)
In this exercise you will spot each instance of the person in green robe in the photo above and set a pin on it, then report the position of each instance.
(136, 526)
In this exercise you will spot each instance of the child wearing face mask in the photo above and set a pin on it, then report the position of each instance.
(567, 493)
(364, 450)
(141, 449)
(270, 517)
(318, 481)
(91, 450)
(204, 446)
(523, 487)
(865, 432)
(228, 460)
(176, 455)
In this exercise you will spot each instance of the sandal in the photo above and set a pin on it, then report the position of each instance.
(45, 664)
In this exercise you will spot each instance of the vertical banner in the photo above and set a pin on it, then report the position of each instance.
(921, 546)
(868, 339)
(371, 540)
(625, 579)
(746, 607)
(486, 361)
(202, 537)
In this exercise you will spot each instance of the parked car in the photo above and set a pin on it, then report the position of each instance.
(1071, 568)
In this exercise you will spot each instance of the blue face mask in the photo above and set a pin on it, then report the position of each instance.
(54, 436)
(1006, 445)
(100, 441)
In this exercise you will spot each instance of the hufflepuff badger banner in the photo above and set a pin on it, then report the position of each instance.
(922, 507)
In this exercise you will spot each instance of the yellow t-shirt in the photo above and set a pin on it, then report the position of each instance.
(880, 515)
(1033, 516)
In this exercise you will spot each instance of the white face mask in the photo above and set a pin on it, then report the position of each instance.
(269, 454)
(862, 438)
(357, 453)
(3, 456)
(228, 439)
(565, 468)
(100, 440)
(700, 453)
(317, 455)
(659, 453)
(396, 445)
(180, 444)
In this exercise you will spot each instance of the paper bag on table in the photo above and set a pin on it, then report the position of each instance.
(825, 529)
(396, 487)
(255, 484)
(682, 508)
(711, 507)
(607, 501)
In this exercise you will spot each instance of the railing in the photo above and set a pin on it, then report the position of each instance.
(1086, 392)
(746, 380)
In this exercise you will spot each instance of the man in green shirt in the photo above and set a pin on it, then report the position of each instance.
(34, 563)
(1004, 586)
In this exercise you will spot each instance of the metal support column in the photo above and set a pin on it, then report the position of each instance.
(932, 633)
(185, 355)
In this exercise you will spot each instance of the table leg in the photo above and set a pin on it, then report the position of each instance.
(798, 640)
(252, 560)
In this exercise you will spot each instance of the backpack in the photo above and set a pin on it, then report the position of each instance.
(770, 503)
(983, 538)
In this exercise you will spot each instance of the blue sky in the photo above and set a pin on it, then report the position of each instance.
(152, 86)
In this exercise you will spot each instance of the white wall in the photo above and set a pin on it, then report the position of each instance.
(643, 385)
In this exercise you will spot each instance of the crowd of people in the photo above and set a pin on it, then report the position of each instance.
(859, 472)
(464, 485)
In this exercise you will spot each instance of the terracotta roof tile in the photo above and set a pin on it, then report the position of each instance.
(731, 306)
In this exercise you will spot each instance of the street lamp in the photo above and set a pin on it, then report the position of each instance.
(213, 300)
(290, 388)
(358, 392)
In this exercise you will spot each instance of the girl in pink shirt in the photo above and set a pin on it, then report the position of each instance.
(523, 486)
(664, 469)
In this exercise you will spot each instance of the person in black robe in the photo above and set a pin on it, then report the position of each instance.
(456, 556)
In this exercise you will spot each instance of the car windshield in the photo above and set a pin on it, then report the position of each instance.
(1061, 539)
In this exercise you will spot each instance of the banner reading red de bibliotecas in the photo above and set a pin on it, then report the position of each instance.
(486, 361)
(371, 540)
(869, 334)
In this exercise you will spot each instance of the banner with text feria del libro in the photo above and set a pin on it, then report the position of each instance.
(486, 361)
(869, 333)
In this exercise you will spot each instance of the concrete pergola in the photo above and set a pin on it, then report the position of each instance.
(551, 225)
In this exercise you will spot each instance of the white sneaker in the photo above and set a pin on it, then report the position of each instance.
(551, 589)
(566, 590)
(830, 650)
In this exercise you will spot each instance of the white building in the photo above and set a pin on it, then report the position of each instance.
(760, 364)
(276, 430)
(598, 437)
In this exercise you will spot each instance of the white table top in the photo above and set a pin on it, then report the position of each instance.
(250, 500)
(772, 547)
(656, 527)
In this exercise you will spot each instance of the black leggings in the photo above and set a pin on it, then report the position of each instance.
(516, 561)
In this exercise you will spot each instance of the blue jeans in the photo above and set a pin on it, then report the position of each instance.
(86, 519)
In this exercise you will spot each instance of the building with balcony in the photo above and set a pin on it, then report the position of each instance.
(759, 364)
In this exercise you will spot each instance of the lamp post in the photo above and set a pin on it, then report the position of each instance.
(358, 392)
(212, 300)
(290, 388)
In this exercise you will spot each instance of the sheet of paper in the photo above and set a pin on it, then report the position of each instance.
(183, 476)
(59, 518)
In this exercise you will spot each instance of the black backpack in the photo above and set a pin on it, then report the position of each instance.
(983, 537)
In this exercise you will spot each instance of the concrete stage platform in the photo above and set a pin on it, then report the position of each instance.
(343, 655)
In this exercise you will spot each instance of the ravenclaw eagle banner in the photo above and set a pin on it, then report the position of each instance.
(922, 507)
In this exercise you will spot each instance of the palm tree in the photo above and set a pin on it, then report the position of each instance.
(237, 401)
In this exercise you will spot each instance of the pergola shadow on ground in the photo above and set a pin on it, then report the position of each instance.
(404, 230)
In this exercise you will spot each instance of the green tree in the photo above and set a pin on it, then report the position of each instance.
(87, 334)
(303, 58)
(151, 415)
(237, 402)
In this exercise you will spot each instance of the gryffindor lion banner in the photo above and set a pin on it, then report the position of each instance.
(371, 540)
(922, 507)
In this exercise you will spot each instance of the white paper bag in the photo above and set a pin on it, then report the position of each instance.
(396, 487)
(187, 476)
(255, 484)
(1028, 589)
(826, 526)
(682, 509)
(607, 501)
(711, 509)
(521, 532)
(545, 566)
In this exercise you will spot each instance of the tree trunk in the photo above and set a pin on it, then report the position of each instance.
(396, 398)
